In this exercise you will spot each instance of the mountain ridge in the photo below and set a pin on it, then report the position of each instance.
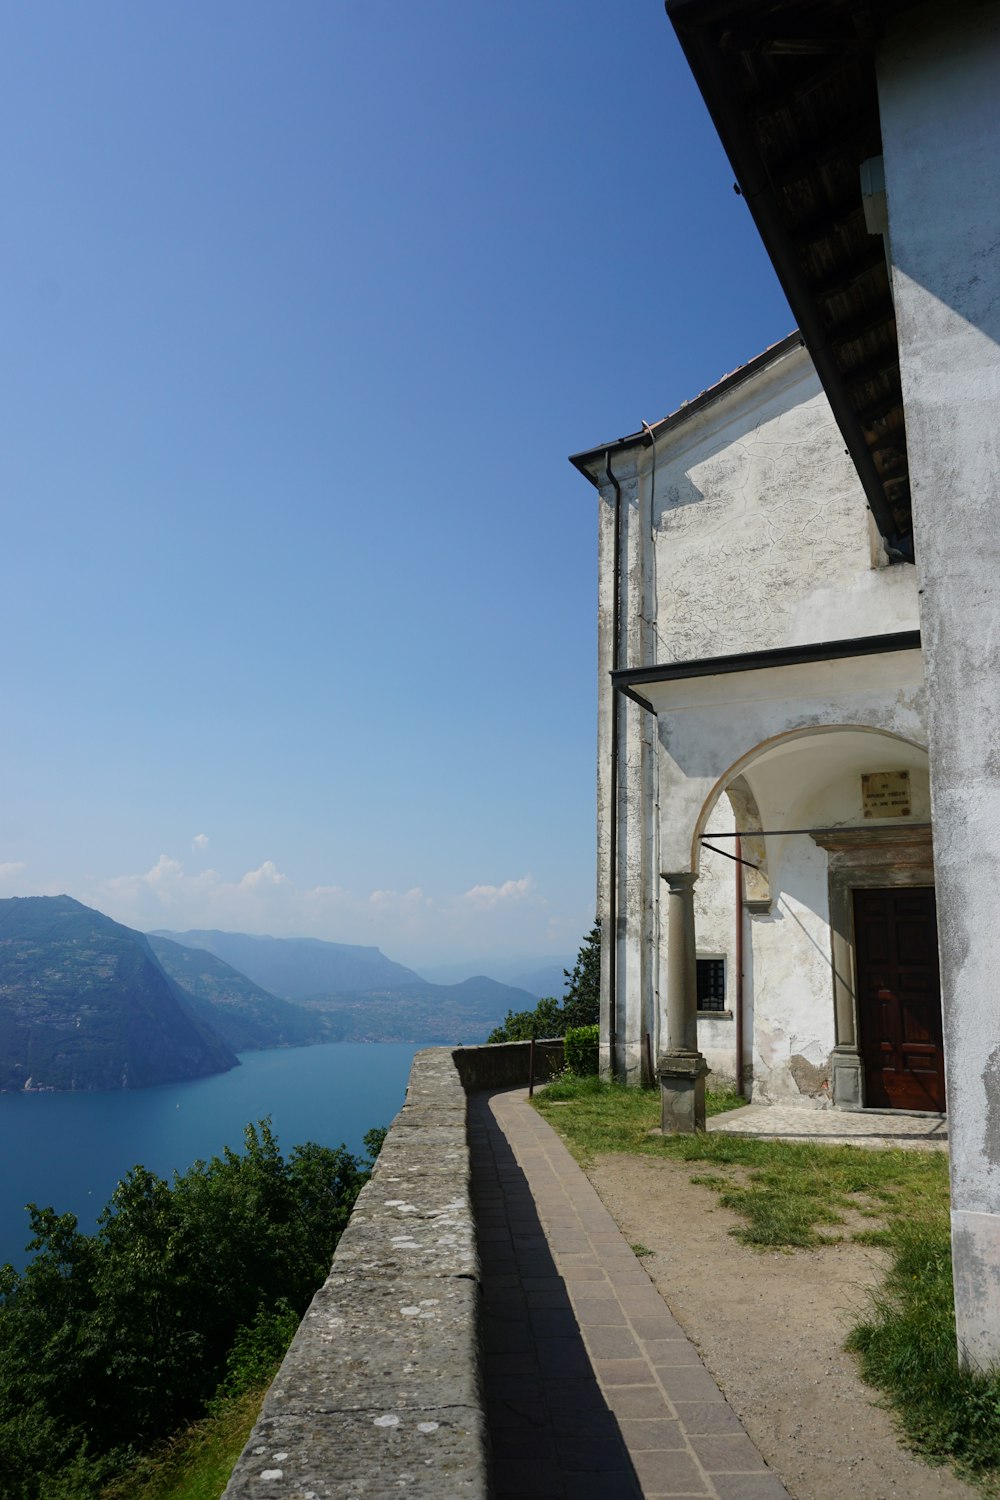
(294, 968)
(248, 1017)
(392, 1003)
(84, 1004)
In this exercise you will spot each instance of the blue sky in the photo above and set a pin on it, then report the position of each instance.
(303, 307)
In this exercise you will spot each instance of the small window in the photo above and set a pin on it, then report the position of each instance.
(711, 984)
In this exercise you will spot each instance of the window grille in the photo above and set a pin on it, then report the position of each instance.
(711, 984)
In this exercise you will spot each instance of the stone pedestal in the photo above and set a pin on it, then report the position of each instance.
(682, 1092)
(845, 1077)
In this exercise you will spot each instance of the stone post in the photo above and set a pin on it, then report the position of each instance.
(681, 1068)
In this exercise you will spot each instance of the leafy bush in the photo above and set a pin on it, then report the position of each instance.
(581, 1050)
(257, 1350)
(521, 1025)
(110, 1342)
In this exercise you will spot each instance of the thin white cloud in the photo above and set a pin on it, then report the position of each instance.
(494, 895)
(267, 874)
(200, 841)
(10, 868)
(408, 923)
(167, 891)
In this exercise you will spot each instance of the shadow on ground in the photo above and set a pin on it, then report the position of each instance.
(552, 1433)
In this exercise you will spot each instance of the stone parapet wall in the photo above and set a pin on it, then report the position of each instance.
(505, 1064)
(380, 1391)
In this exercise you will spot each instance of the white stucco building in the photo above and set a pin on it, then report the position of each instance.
(767, 663)
(759, 657)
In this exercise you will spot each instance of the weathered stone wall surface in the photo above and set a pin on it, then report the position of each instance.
(380, 1391)
(505, 1064)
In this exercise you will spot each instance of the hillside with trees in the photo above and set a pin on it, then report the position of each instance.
(245, 1015)
(85, 1005)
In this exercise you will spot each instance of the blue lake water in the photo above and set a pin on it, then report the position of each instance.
(68, 1151)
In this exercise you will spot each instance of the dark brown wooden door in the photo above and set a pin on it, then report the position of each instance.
(899, 998)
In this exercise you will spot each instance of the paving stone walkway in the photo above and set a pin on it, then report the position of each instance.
(863, 1127)
(593, 1392)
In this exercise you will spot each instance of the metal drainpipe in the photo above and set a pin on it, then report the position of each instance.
(652, 656)
(613, 836)
(739, 968)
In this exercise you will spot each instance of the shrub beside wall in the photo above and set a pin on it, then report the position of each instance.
(581, 1049)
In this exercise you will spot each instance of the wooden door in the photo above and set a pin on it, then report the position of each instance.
(899, 998)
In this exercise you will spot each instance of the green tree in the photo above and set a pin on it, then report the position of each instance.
(582, 1000)
(109, 1342)
(521, 1025)
(581, 1004)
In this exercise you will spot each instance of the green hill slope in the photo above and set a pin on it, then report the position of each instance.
(245, 1015)
(85, 1005)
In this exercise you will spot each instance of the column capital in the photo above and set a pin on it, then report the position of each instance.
(683, 880)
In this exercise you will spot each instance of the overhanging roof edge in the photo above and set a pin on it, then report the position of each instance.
(779, 656)
(690, 18)
(793, 340)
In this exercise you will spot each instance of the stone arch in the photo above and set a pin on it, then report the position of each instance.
(756, 882)
(739, 775)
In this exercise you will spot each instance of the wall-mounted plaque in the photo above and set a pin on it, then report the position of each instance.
(886, 794)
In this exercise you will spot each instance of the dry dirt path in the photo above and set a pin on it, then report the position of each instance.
(770, 1327)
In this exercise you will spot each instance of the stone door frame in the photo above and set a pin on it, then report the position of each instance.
(864, 858)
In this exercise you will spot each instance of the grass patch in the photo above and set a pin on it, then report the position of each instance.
(197, 1463)
(907, 1349)
(791, 1194)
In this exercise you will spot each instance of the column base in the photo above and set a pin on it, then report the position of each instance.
(682, 1092)
(845, 1078)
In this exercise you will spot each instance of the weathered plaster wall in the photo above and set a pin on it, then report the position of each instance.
(794, 1030)
(713, 728)
(941, 137)
(762, 531)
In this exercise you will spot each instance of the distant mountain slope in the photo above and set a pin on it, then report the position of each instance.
(549, 979)
(442, 1014)
(297, 967)
(540, 976)
(245, 1015)
(85, 1005)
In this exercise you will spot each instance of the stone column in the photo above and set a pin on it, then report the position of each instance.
(681, 1068)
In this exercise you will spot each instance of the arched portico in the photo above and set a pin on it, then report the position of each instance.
(789, 742)
(820, 1027)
